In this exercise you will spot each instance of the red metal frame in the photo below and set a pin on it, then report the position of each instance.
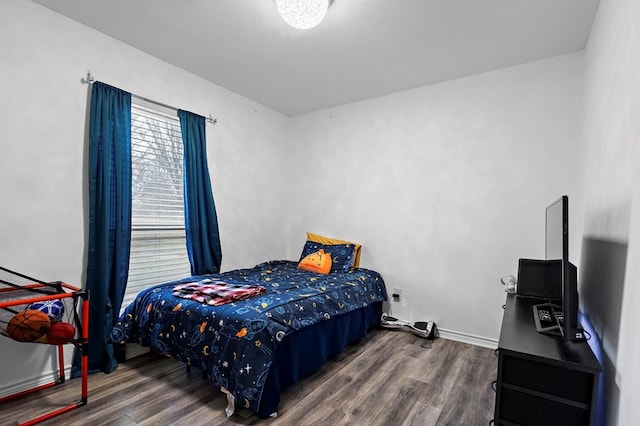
(81, 344)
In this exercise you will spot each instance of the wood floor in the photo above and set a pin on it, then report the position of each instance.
(389, 378)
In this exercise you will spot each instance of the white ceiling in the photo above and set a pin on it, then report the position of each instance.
(363, 48)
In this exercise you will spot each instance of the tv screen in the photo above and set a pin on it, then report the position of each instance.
(557, 249)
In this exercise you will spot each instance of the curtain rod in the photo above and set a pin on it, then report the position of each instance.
(90, 80)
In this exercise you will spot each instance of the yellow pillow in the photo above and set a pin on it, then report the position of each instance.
(328, 241)
(319, 262)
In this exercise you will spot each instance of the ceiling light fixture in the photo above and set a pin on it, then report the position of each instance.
(303, 14)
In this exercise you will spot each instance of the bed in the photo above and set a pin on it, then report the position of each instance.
(254, 348)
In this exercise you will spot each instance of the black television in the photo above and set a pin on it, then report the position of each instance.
(557, 249)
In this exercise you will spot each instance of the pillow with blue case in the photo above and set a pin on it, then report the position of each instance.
(341, 254)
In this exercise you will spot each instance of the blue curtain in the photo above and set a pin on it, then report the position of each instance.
(201, 222)
(109, 172)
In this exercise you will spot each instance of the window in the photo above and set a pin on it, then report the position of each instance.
(158, 242)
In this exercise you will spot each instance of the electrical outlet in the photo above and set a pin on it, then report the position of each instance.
(397, 293)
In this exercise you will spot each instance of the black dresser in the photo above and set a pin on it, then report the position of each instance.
(541, 379)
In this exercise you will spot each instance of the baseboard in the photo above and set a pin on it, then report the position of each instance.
(468, 338)
(6, 389)
(33, 382)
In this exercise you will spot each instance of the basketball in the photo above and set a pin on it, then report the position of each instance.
(60, 333)
(28, 326)
(53, 308)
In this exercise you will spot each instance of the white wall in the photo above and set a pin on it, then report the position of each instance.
(445, 186)
(609, 289)
(43, 108)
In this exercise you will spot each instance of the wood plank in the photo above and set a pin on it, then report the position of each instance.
(388, 378)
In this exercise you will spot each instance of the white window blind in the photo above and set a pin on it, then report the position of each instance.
(158, 242)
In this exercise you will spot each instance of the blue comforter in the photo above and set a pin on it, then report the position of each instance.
(235, 343)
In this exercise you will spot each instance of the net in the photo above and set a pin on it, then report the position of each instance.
(33, 310)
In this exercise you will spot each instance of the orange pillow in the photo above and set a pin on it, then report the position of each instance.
(329, 241)
(319, 262)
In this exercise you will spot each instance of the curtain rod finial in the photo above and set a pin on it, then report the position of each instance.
(89, 78)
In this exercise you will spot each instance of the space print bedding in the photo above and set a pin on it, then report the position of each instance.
(274, 314)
